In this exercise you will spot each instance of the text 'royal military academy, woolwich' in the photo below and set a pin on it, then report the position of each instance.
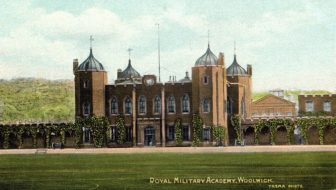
(150, 107)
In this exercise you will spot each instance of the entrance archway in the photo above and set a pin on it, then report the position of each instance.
(149, 136)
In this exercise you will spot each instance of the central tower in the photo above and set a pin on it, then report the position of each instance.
(209, 89)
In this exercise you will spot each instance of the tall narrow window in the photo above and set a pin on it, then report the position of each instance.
(309, 106)
(171, 104)
(171, 133)
(114, 105)
(142, 105)
(157, 104)
(205, 80)
(206, 134)
(206, 105)
(185, 104)
(85, 83)
(185, 133)
(327, 106)
(86, 109)
(128, 105)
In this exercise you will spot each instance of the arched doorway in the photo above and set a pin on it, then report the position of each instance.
(149, 136)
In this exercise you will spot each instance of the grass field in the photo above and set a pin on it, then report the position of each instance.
(133, 171)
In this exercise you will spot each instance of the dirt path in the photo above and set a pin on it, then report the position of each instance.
(232, 149)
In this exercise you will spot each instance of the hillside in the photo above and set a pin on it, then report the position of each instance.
(29, 99)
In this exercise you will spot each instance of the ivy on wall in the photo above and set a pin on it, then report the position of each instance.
(178, 132)
(218, 134)
(121, 130)
(236, 123)
(197, 130)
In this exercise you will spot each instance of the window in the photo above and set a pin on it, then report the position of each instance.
(142, 105)
(114, 134)
(185, 133)
(206, 134)
(86, 109)
(171, 133)
(309, 106)
(327, 106)
(85, 84)
(157, 104)
(86, 135)
(128, 134)
(128, 105)
(171, 104)
(206, 105)
(185, 104)
(205, 80)
(114, 105)
(289, 113)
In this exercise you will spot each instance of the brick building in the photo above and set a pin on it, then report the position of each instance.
(271, 106)
(317, 104)
(150, 108)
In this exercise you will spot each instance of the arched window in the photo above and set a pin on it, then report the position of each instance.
(142, 105)
(171, 104)
(86, 108)
(157, 104)
(206, 105)
(114, 105)
(128, 105)
(85, 84)
(185, 104)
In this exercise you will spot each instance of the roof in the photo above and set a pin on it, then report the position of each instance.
(130, 72)
(235, 69)
(282, 100)
(208, 58)
(185, 79)
(91, 64)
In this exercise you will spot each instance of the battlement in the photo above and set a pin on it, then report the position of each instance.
(318, 96)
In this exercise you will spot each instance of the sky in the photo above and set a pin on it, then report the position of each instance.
(290, 44)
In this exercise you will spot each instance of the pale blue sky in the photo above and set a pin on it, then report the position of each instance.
(290, 44)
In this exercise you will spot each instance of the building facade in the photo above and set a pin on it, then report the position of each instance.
(150, 108)
(317, 104)
(271, 106)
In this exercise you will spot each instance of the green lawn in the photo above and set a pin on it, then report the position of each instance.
(133, 171)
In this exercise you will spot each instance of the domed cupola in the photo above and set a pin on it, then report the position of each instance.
(130, 72)
(235, 69)
(208, 58)
(91, 64)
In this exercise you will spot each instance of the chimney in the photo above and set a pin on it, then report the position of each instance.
(187, 74)
(221, 59)
(75, 66)
(119, 73)
(249, 70)
(170, 78)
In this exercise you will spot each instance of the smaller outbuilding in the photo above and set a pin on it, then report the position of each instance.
(271, 106)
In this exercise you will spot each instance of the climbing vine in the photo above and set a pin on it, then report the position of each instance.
(197, 130)
(236, 123)
(290, 130)
(178, 132)
(121, 130)
(218, 134)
